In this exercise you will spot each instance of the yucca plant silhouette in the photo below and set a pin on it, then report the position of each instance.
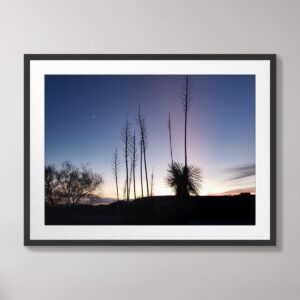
(184, 180)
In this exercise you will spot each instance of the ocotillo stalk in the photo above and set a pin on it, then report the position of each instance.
(144, 133)
(115, 169)
(186, 104)
(134, 160)
(152, 182)
(141, 167)
(126, 138)
(170, 137)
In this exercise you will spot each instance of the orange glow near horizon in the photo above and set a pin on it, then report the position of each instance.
(208, 189)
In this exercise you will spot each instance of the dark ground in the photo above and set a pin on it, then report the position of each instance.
(160, 210)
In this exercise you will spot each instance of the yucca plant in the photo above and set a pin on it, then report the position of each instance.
(185, 181)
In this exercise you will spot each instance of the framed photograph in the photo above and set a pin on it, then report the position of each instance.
(150, 149)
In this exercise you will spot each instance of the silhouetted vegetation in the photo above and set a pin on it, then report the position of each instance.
(187, 100)
(144, 144)
(152, 183)
(51, 184)
(170, 137)
(70, 184)
(126, 135)
(133, 163)
(184, 179)
(115, 170)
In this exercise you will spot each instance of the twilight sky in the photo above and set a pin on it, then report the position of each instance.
(84, 115)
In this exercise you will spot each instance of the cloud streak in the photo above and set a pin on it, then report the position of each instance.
(241, 172)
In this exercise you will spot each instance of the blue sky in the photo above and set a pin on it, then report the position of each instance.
(84, 115)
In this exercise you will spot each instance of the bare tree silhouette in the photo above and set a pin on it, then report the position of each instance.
(170, 136)
(51, 183)
(144, 140)
(126, 133)
(76, 183)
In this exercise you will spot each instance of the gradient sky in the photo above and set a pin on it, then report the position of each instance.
(84, 115)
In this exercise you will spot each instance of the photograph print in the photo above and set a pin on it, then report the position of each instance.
(161, 150)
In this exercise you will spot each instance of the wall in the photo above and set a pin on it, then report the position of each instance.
(61, 26)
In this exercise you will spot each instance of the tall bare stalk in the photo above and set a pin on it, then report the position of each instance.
(141, 166)
(115, 170)
(186, 105)
(134, 162)
(144, 141)
(126, 133)
(152, 182)
(170, 137)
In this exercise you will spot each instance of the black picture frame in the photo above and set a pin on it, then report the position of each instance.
(31, 57)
